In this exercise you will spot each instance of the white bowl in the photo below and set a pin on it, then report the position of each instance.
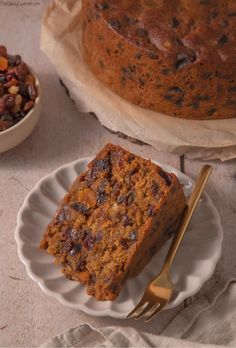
(14, 135)
(194, 263)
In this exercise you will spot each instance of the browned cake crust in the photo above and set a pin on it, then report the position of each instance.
(115, 217)
(176, 57)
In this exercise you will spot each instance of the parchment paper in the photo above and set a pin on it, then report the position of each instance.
(61, 42)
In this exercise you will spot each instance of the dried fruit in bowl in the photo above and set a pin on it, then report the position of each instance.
(18, 89)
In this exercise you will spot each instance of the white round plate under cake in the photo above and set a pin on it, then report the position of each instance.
(194, 263)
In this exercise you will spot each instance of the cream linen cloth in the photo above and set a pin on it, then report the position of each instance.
(214, 326)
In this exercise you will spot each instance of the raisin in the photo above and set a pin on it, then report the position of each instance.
(10, 75)
(84, 233)
(173, 93)
(141, 82)
(5, 125)
(195, 105)
(181, 63)
(3, 79)
(63, 215)
(103, 184)
(133, 236)
(19, 115)
(138, 56)
(115, 24)
(121, 199)
(103, 6)
(88, 243)
(130, 20)
(124, 243)
(8, 101)
(3, 51)
(166, 72)
(128, 71)
(174, 22)
(141, 32)
(202, 97)
(28, 106)
(166, 177)
(66, 247)
(101, 197)
(184, 60)
(102, 164)
(1, 89)
(73, 233)
(174, 90)
(130, 197)
(99, 236)
(113, 247)
(138, 42)
(155, 189)
(223, 40)
(2, 108)
(81, 208)
(101, 63)
(32, 91)
(152, 55)
(214, 14)
(81, 265)
(211, 111)
(179, 102)
(21, 70)
(115, 188)
(7, 118)
(224, 23)
(14, 60)
(204, 2)
(151, 210)
(133, 171)
(126, 220)
(24, 90)
(120, 46)
(206, 75)
(131, 159)
(223, 76)
(89, 240)
(92, 278)
(127, 180)
(75, 250)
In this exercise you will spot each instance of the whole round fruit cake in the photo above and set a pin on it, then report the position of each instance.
(176, 57)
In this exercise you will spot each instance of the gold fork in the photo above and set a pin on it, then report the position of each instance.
(160, 289)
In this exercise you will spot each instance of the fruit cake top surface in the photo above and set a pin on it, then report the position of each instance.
(184, 31)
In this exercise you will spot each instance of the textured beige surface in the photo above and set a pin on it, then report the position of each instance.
(27, 316)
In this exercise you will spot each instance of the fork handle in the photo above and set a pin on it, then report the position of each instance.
(189, 210)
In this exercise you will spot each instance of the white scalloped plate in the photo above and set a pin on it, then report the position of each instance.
(194, 263)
